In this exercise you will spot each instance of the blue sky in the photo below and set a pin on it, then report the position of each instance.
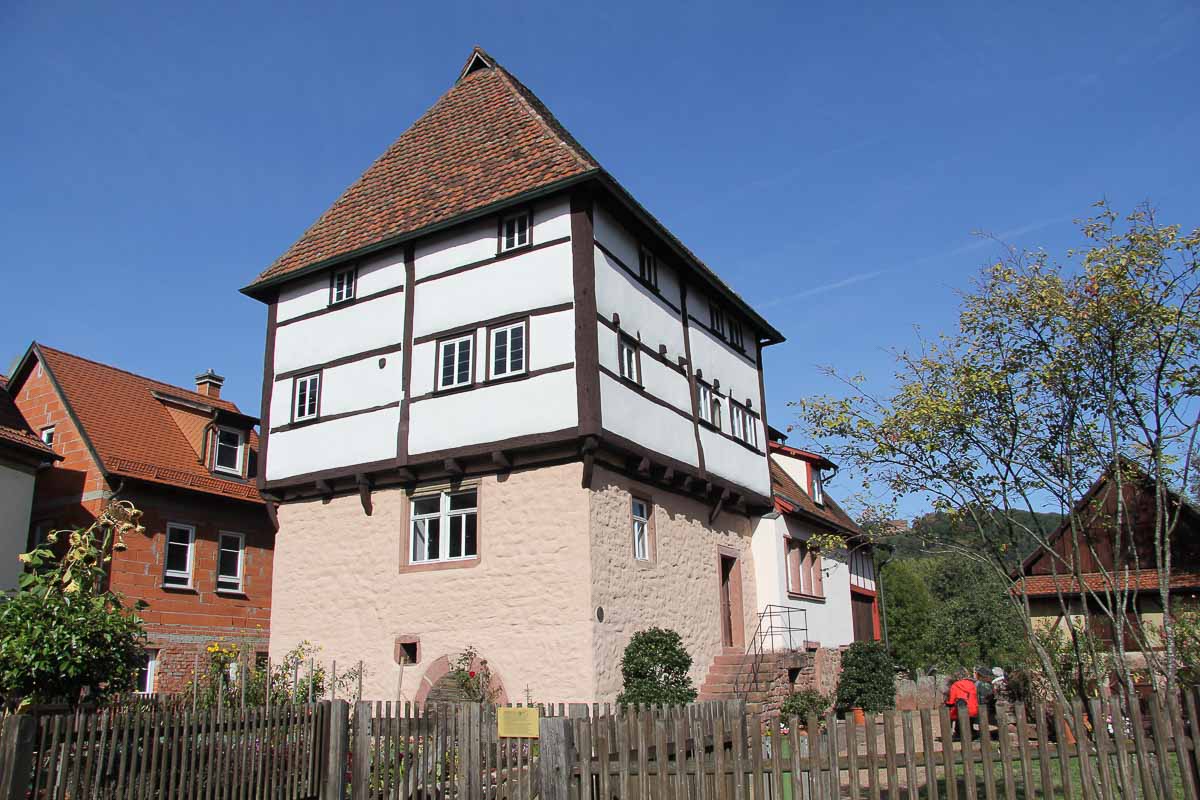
(830, 161)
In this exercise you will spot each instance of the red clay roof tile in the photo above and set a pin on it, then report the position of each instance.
(133, 432)
(14, 430)
(790, 498)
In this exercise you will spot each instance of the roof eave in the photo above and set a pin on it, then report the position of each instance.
(259, 289)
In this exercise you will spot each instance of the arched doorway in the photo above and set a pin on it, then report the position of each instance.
(438, 684)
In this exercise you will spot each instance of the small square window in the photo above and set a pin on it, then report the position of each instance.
(177, 560)
(48, 435)
(455, 364)
(641, 529)
(704, 401)
(341, 288)
(229, 447)
(508, 350)
(147, 673)
(648, 267)
(514, 231)
(627, 355)
(307, 396)
(231, 556)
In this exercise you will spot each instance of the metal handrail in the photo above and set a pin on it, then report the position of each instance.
(775, 623)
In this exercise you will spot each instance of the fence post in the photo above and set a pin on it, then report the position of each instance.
(556, 740)
(16, 756)
(337, 741)
(360, 776)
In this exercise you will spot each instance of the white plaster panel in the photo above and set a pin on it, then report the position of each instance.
(551, 339)
(642, 314)
(530, 280)
(796, 468)
(16, 499)
(714, 358)
(423, 356)
(494, 412)
(337, 443)
(477, 241)
(337, 584)
(349, 387)
(626, 413)
(735, 463)
(340, 333)
(613, 235)
(311, 293)
(657, 379)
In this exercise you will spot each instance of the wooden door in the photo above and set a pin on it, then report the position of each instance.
(728, 566)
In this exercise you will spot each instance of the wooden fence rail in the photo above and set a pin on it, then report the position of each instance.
(714, 751)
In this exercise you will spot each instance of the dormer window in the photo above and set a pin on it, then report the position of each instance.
(648, 268)
(341, 288)
(735, 334)
(818, 487)
(514, 231)
(48, 436)
(228, 451)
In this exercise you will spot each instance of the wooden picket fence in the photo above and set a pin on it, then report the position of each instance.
(154, 753)
(710, 751)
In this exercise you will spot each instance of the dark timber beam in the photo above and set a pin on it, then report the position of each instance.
(501, 459)
(406, 475)
(324, 489)
(364, 492)
(453, 466)
(669, 475)
(643, 466)
(725, 495)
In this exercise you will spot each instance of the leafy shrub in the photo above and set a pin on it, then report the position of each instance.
(299, 675)
(655, 669)
(64, 637)
(868, 678)
(808, 701)
(473, 677)
(1187, 644)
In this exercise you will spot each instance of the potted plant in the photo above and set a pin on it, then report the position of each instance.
(803, 703)
(867, 683)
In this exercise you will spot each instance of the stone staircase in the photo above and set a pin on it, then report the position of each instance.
(719, 683)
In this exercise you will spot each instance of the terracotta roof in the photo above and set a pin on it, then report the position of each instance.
(790, 498)
(14, 430)
(486, 140)
(131, 431)
(1140, 580)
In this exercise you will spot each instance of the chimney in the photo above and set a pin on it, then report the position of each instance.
(209, 384)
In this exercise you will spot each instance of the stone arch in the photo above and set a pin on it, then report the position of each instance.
(435, 683)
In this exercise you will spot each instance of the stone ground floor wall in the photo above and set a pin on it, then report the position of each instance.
(181, 651)
(677, 588)
(817, 669)
(524, 604)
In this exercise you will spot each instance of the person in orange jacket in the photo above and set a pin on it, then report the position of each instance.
(963, 689)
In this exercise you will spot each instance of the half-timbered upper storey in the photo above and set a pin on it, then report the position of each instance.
(487, 295)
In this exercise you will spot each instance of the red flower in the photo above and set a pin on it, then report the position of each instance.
(471, 673)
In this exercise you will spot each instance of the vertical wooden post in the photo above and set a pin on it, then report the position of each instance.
(337, 741)
(556, 741)
(16, 756)
(360, 778)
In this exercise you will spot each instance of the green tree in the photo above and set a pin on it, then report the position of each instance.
(868, 678)
(1057, 374)
(63, 636)
(655, 669)
(909, 611)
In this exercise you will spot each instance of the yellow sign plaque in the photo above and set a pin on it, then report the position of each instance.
(517, 723)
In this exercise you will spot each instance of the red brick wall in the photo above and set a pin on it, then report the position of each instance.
(180, 623)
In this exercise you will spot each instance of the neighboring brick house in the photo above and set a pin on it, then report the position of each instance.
(187, 459)
(22, 454)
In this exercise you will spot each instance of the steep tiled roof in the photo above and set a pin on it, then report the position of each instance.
(131, 430)
(1139, 580)
(14, 430)
(790, 498)
(486, 140)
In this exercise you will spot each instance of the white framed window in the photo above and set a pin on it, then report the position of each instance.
(508, 350)
(229, 446)
(307, 397)
(341, 287)
(648, 267)
(455, 366)
(178, 558)
(818, 485)
(752, 430)
(641, 529)
(714, 418)
(514, 231)
(737, 420)
(704, 401)
(627, 358)
(147, 673)
(716, 319)
(445, 526)
(48, 435)
(231, 560)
